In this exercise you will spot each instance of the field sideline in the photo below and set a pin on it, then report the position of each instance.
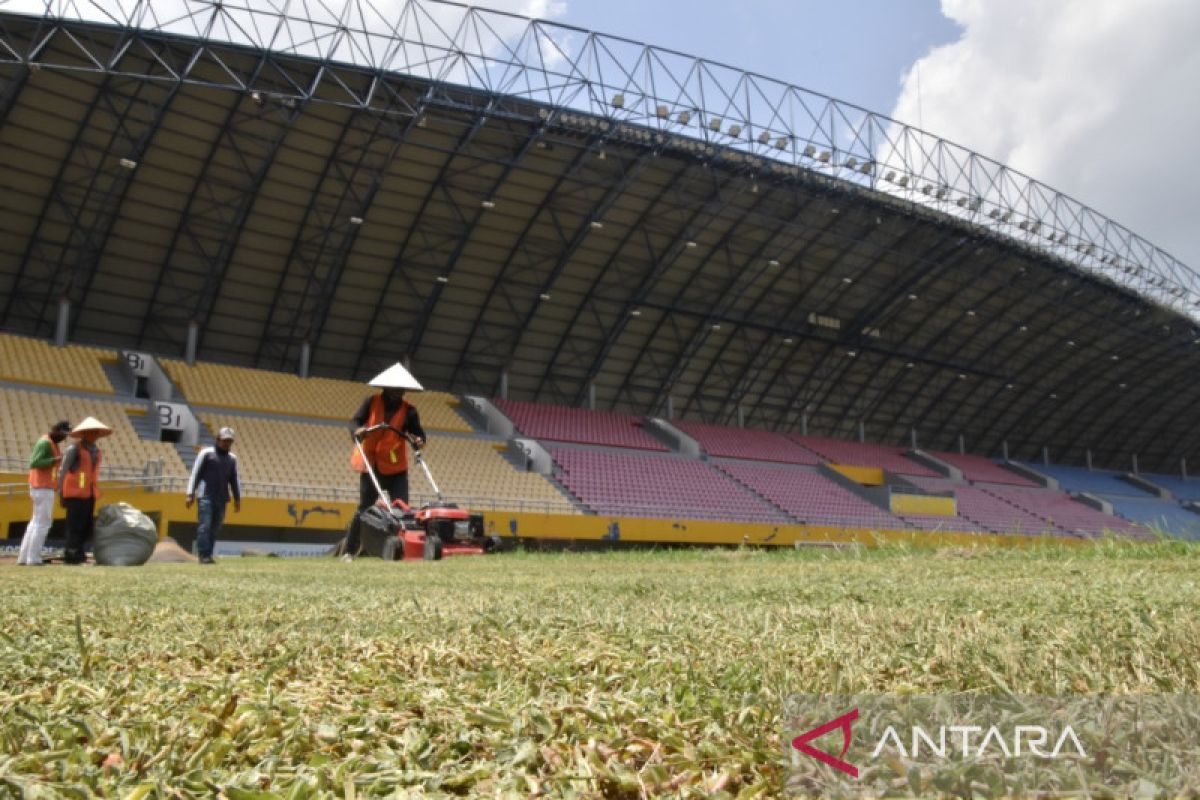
(596, 675)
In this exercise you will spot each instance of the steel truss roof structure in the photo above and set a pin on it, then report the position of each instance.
(500, 199)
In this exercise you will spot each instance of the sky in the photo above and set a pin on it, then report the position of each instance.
(1091, 97)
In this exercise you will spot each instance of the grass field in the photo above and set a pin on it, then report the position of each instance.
(601, 675)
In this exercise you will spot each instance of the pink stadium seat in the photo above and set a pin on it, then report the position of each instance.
(811, 497)
(747, 443)
(648, 485)
(839, 451)
(561, 424)
(980, 469)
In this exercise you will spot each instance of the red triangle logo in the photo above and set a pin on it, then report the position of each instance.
(844, 722)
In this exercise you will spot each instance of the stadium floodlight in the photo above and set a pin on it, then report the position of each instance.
(691, 244)
(847, 280)
(823, 157)
(941, 193)
(488, 204)
(257, 97)
(903, 182)
(596, 224)
(909, 365)
(684, 117)
(714, 124)
(735, 130)
(716, 326)
(128, 163)
(851, 162)
(544, 296)
(618, 101)
(891, 176)
(774, 262)
(356, 220)
(443, 279)
(637, 312)
(781, 142)
(912, 297)
(787, 340)
(662, 112)
(764, 137)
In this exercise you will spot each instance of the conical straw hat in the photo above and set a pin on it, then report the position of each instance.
(92, 424)
(396, 377)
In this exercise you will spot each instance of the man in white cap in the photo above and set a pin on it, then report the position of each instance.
(385, 449)
(214, 479)
(79, 486)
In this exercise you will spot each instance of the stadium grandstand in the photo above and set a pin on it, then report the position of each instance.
(729, 305)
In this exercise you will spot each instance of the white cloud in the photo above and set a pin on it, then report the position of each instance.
(1096, 98)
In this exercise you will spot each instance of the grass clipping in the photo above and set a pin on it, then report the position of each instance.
(614, 675)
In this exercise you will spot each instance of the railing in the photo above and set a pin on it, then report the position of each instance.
(279, 491)
(613, 88)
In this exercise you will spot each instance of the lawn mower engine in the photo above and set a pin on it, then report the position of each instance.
(436, 531)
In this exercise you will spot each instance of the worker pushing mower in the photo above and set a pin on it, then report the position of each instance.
(384, 427)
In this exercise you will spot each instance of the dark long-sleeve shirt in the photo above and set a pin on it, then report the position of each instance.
(215, 475)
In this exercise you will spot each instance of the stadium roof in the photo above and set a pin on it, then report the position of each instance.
(499, 200)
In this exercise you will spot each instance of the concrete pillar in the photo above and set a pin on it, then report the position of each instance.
(305, 358)
(670, 407)
(912, 436)
(1004, 449)
(504, 383)
(1088, 454)
(193, 339)
(1183, 468)
(1135, 466)
(804, 424)
(64, 322)
(741, 417)
(862, 431)
(591, 396)
(1045, 456)
(962, 445)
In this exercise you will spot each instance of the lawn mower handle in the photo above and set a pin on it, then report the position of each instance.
(416, 455)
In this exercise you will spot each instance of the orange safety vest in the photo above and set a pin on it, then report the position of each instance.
(81, 482)
(385, 448)
(45, 477)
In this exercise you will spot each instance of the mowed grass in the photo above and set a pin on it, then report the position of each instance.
(597, 675)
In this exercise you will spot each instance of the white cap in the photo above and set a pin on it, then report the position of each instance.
(224, 433)
(396, 377)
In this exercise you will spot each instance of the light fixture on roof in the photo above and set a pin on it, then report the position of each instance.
(714, 124)
(683, 117)
(851, 353)
(970, 312)
(847, 280)
(787, 340)
(764, 137)
(912, 297)
(1024, 328)
(735, 130)
(1115, 357)
(596, 224)
(810, 151)
(544, 296)
(1070, 342)
(1008, 386)
(257, 97)
(690, 244)
(128, 163)
(851, 162)
(662, 112)
(716, 326)
(962, 376)
(774, 262)
(487, 204)
(781, 142)
(356, 220)
(910, 365)
(442, 279)
(1053, 396)
(618, 101)
(637, 312)
(1121, 385)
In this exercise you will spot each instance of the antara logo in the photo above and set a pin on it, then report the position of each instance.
(844, 722)
(971, 740)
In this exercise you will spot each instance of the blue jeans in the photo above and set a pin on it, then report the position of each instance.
(211, 516)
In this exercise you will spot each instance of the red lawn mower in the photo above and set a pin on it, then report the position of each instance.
(394, 531)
